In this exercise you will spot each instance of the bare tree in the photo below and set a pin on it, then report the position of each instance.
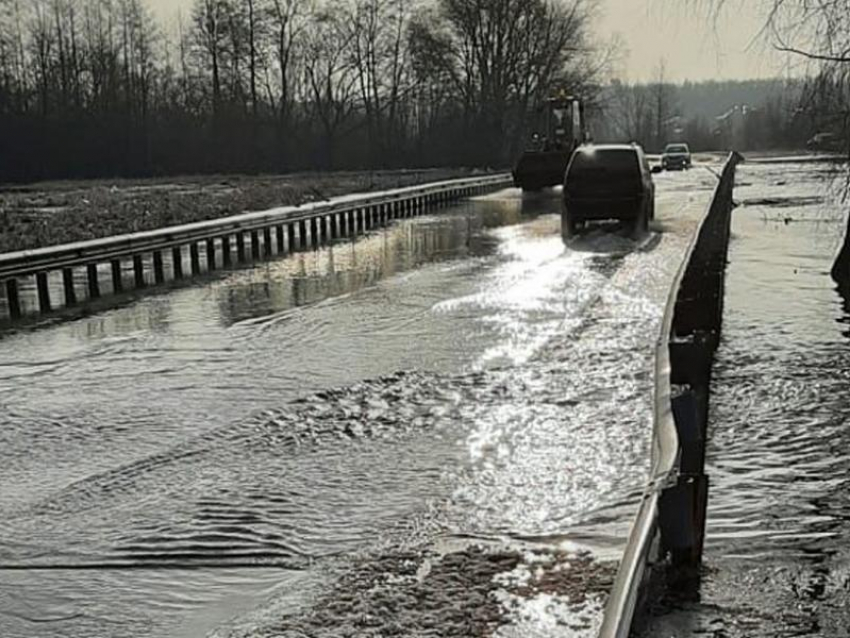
(630, 112)
(502, 56)
(330, 77)
(379, 57)
(252, 52)
(818, 31)
(289, 20)
(662, 99)
(89, 87)
(211, 21)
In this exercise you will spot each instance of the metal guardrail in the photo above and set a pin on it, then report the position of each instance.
(341, 217)
(670, 523)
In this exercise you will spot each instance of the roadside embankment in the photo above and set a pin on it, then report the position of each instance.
(51, 213)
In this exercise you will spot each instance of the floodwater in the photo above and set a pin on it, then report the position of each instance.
(777, 556)
(211, 459)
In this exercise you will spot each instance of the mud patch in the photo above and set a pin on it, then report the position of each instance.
(473, 592)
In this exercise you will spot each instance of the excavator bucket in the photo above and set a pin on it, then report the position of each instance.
(540, 169)
(544, 164)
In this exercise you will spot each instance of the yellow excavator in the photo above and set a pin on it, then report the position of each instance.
(544, 162)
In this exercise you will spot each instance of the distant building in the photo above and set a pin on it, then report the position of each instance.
(730, 128)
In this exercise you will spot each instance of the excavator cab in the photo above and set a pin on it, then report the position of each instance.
(544, 162)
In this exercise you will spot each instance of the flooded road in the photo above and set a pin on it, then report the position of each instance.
(214, 459)
(777, 556)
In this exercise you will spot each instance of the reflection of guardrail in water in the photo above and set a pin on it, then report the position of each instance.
(670, 524)
(255, 236)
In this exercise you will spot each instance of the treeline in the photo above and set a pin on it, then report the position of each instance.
(745, 115)
(96, 88)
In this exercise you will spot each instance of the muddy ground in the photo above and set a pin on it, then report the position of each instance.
(45, 214)
(468, 592)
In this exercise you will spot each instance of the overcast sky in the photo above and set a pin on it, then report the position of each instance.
(693, 48)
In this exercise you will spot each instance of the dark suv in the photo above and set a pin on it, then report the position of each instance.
(676, 157)
(608, 182)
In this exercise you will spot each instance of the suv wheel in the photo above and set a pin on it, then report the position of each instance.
(641, 223)
(569, 225)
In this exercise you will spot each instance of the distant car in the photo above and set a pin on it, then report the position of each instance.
(608, 182)
(676, 157)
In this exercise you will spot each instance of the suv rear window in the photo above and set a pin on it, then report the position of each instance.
(600, 171)
(676, 148)
(609, 160)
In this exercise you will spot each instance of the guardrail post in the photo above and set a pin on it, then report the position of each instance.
(195, 258)
(255, 245)
(226, 257)
(177, 262)
(334, 225)
(94, 284)
(13, 298)
(323, 229)
(267, 241)
(682, 508)
(117, 284)
(279, 232)
(210, 254)
(240, 246)
(290, 237)
(139, 271)
(302, 234)
(682, 520)
(314, 231)
(68, 285)
(158, 269)
(43, 292)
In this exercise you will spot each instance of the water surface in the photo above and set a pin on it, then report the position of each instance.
(197, 458)
(776, 556)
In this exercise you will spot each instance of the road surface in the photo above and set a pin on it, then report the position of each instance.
(441, 427)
